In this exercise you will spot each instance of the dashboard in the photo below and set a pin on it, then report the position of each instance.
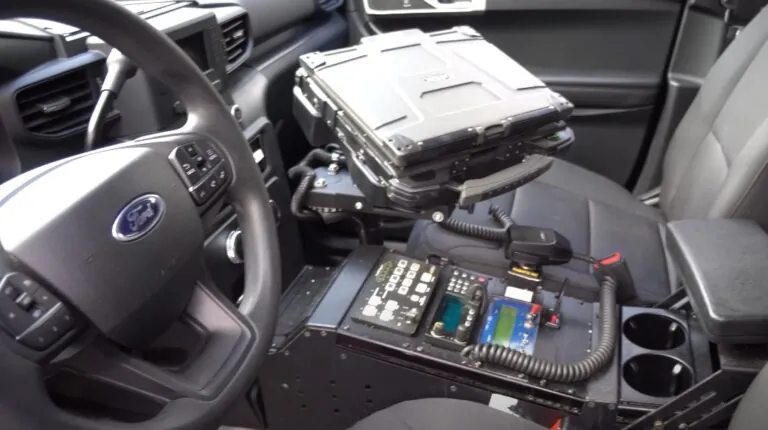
(50, 77)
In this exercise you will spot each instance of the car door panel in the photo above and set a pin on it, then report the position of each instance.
(609, 57)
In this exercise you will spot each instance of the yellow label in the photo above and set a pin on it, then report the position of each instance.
(525, 272)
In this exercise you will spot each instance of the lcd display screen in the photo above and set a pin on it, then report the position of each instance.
(505, 325)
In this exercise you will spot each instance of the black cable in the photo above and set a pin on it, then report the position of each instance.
(492, 234)
(96, 124)
(521, 362)
(305, 170)
(586, 258)
(297, 201)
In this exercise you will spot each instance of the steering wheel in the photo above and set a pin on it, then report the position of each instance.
(103, 252)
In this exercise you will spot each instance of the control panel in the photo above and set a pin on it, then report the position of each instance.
(30, 313)
(460, 308)
(511, 323)
(395, 296)
(202, 169)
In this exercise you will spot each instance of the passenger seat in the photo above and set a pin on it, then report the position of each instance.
(715, 167)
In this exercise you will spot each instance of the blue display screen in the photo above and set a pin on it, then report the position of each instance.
(451, 313)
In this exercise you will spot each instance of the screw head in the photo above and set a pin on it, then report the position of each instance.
(307, 334)
(419, 348)
(343, 356)
(284, 386)
(453, 388)
(438, 216)
(333, 168)
(359, 206)
(320, 183)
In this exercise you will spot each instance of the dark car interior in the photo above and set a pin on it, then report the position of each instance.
(383, 214)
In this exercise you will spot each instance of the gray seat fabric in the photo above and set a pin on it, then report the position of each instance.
(596, 215)
(443, 414)
(715, 167)
(451, 414)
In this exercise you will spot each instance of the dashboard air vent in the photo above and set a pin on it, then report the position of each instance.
(57, 106)
(236, 38)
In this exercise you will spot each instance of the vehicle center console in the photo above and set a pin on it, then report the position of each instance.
(384, 328)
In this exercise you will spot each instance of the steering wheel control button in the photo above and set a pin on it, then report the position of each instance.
(186, 165)
(41, 334)
(45, 300)
(191, 150)
(62, 320)
(25, 301)
(212, 156)
(22, 283)
(10, 291)
(221, 174)
(201, 194)
(15, 320)
(41, 337)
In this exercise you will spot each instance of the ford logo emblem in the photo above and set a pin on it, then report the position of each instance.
(138, 218)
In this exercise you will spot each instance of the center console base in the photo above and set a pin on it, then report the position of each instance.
(333, 369)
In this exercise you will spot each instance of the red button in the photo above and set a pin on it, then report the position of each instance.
(611, 259)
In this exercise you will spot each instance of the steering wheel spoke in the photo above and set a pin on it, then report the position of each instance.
(205, 372)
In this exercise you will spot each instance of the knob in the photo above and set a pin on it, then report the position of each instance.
(439, 329)
(234, 246)
(237, 114)
(462, 333)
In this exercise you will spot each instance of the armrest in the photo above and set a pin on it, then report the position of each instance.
(724, 266)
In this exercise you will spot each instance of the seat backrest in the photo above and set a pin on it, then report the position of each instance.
(716, 164)
(752, 414)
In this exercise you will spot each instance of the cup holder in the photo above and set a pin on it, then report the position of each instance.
(657, 375)
(654, 331)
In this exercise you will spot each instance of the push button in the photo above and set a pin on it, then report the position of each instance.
(187, 165)
(191, 150)
(221, 174)
(25, 301)
(40, 338)
(213, 184)
(212, 156)
(22, 283)
(16, 320)
(36, 313)
(199, 160)
(63, 319)
(44, 300)
(201, 194)
(10, 291)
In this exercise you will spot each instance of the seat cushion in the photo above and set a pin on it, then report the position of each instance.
(443, 414)
(596, 215)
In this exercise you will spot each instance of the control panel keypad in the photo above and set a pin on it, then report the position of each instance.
(31, 314)
(201, 167)
(395, 296)
(461, 282)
